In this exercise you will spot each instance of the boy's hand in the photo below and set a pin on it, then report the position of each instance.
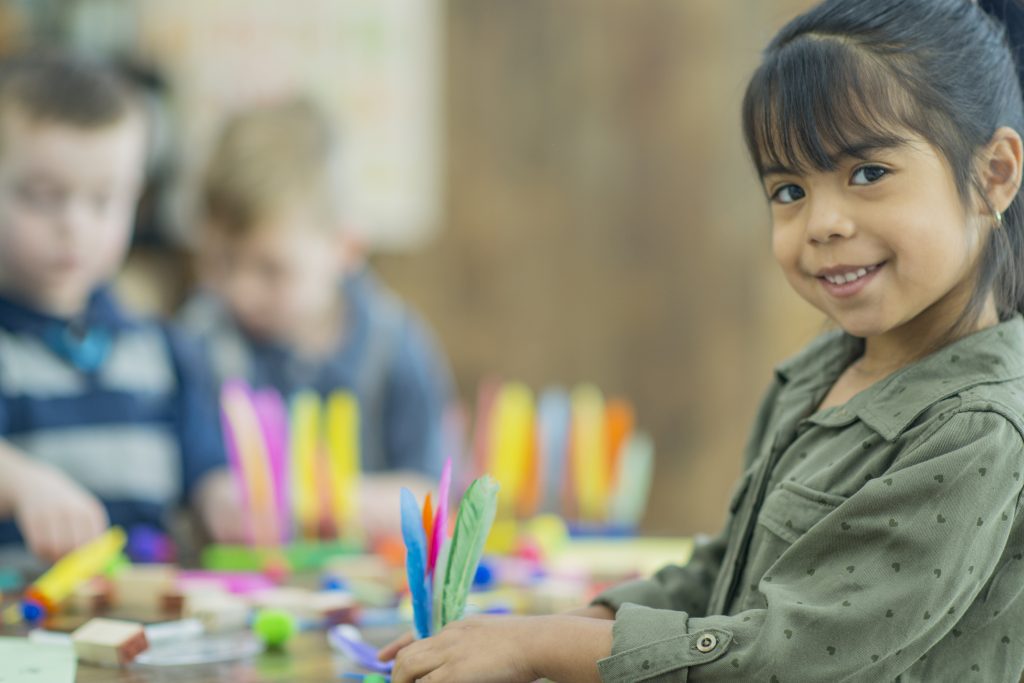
(504, 650)
(55, 514)
(220, 506)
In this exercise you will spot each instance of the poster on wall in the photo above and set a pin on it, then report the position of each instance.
(373, 64)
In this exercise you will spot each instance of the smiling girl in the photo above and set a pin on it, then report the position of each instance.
(877, 532)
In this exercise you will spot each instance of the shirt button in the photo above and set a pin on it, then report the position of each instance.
(707, 642)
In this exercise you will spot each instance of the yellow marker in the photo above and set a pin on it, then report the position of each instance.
(510, 443)
(589, 463)
(75, 568)
(343, 461)
(305, 446)
(255, 459)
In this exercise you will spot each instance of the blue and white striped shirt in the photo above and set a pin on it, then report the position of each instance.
(121, 405)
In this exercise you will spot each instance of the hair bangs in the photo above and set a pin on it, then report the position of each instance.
(818, 99)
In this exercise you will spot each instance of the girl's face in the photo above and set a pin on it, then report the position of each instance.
(880, 240)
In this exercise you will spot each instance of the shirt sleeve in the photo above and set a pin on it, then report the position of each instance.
(198, 415)
(868, 589)
(417, 398)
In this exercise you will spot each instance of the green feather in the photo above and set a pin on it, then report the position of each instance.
(476, 515)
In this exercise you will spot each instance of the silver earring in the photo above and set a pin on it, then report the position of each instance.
(999, 218)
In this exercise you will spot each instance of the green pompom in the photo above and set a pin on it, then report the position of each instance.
(274, 626)
(375, 678)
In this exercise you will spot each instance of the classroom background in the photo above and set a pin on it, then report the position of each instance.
(560, 188)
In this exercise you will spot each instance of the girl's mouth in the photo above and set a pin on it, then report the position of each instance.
(846, 284)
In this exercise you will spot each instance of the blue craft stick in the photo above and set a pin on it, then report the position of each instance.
(555, 415)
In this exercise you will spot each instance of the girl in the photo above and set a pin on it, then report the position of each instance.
(877, 532)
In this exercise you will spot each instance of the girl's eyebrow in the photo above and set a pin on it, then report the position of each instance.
(856, 150)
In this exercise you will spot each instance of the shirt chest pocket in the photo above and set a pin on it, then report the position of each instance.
(791, 509)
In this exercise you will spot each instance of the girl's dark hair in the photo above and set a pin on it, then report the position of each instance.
(847, 73)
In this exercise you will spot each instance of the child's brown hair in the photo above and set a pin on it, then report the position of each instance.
(61, 89)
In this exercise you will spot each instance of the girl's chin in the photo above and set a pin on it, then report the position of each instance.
(860, 328)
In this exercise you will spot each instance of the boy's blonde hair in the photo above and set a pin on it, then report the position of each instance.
(267, 157)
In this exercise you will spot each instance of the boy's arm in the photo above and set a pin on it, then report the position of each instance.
(54, 514)
(418, 394)
(208, 487)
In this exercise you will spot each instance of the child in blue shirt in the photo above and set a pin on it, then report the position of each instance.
(104, 418)
(288, 305)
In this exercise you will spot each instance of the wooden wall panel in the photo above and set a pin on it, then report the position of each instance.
(603, 223)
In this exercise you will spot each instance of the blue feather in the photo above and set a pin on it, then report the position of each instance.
(416, 562)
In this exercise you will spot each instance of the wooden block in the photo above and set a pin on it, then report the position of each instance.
(332, 607)
(321, 607)
(109, 642)
(172, 603)
(217, 610)
(143, 586)
(92, 597)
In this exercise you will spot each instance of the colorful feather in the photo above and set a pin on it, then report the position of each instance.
(428, 525)
(416, 562)
(440, 531)
(473, 524)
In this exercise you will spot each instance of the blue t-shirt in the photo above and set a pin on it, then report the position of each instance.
(122, 405)
(386, 357)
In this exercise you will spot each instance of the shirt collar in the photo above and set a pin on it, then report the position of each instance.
(102, 310)
(890, 405)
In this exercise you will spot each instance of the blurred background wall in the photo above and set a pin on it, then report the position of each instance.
(596, 218)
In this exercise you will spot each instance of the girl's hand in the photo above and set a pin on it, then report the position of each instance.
(504, 650)
(391, 650)
(54, 513)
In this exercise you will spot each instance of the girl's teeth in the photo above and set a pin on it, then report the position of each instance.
(848, 277)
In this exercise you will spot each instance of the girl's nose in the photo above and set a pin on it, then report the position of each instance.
(827, 220)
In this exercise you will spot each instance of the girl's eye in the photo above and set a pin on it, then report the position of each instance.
(787, 194)
(865, 175)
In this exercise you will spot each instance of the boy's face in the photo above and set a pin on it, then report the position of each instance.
(891, 225)
(67, 203)
(281, 280)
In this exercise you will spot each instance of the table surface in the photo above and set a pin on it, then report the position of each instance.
(306, 659)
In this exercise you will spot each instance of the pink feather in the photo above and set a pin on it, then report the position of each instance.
(441, 518)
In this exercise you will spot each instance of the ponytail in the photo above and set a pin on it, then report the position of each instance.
(1009, 242)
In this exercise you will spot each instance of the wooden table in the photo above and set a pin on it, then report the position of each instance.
(307, 659)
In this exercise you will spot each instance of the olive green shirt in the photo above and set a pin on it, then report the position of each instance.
(880, 540)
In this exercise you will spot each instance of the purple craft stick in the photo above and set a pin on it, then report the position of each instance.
(346, 639)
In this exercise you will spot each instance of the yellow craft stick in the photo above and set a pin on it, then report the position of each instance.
(510, 444)
(255, 459)
(343, 461)
(589, 463)
(75, 568)
(305, 446)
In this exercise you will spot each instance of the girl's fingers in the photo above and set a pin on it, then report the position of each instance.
(415, 661)
(389, 651)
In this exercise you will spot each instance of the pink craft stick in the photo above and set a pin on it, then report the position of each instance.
(273, 417)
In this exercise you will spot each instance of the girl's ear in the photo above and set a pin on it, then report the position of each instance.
(1001, 170)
